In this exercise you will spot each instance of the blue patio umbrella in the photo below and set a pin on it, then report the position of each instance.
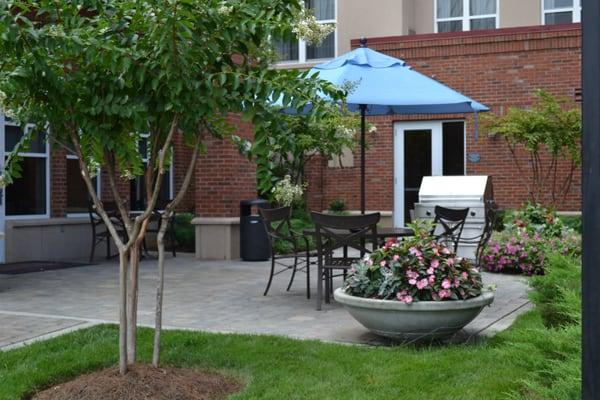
(383, 85)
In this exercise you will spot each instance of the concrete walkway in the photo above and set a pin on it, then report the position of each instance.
(214, 296)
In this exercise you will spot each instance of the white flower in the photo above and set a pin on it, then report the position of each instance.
(286, 193)
(225, 10)
(373, 129)
(310, 30)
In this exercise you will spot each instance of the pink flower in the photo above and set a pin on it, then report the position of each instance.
(369, 262)
(445, 250)
(382, 263)
(446, 284)
(435, 296)
(422, 283)
(412, 281)
(435, 263)
(407, 299)
(430, 270)
(444, 293)
(450, 261)
(456, 282)
(464, 275)
(431, 279)
(414, 251)
(412, 274)
(396, 257)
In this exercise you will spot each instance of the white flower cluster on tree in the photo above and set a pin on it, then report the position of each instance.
(309, 29)
(286, 193)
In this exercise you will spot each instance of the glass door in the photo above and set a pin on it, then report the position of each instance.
(421, 149)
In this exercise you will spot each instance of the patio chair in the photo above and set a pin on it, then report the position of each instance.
(483, 239)
(451, 221)
(279, 228)
(335, 232)
(100, 232)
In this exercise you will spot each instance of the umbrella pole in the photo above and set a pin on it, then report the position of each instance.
(363, 109)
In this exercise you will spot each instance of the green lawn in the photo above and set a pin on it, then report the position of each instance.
(278, 368)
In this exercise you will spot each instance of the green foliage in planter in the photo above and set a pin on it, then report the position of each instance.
(184, 230)
(414, 269)
(337, 206)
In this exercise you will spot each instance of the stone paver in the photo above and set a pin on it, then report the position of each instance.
(214, 296)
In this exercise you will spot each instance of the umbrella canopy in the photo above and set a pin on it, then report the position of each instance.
(388, 85)
(383, 85)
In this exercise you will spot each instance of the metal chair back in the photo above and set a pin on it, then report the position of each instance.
(347, 232)
(451, 221)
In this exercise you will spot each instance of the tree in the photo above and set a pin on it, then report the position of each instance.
(97, 74)
(285, 143)
(550, 127)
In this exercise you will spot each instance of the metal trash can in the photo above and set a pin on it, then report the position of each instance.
(254, 243)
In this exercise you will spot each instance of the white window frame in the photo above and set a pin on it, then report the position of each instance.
(98, 188)
(466, 17)
(302, 45)
(45, 155)
(575, 10)
(145, 160)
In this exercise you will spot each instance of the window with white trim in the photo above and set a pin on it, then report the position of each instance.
(465, 15)
(78, 197)
(294, 50)
(561, 11)
(137, 190)
(28, 195)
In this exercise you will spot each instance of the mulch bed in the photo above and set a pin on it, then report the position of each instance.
(144, 382)
(26, 267)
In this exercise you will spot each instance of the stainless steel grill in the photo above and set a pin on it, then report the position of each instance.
(474, 192)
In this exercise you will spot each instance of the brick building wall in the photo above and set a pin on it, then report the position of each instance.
(500, 68)
(223, 176)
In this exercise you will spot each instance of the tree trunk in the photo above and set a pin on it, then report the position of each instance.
(164, 223)
(123, 263)
(132, 296)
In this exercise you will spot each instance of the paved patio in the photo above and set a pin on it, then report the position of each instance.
(215, 296)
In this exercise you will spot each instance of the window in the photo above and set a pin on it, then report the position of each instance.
(138, 185)
(465, 15)
(561, 11)
(28, 195)
(293, 50)
(77, 193)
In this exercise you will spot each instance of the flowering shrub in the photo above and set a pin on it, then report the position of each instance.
(286, 193)
(414, 269)
(515, 251)
(521, 247)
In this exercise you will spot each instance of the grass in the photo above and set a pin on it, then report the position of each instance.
(277, 368)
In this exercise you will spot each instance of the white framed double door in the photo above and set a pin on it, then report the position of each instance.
(424, 148)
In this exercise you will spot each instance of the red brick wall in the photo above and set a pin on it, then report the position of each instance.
(500, 68)
(224, 177)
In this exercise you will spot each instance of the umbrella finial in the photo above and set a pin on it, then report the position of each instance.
(363, 42)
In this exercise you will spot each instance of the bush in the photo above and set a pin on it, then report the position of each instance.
(557, 295)
(574, 222)
(300, 220)
(529, 234)
(514, 251)
(415, 269)
(184, 230)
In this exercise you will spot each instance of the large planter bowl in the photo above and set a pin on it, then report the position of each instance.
(418, 321)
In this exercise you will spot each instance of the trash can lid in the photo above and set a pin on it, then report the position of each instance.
(254, 202)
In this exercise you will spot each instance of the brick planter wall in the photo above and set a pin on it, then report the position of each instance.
(500, 68)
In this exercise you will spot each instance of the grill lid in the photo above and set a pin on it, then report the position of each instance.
(438, 189)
